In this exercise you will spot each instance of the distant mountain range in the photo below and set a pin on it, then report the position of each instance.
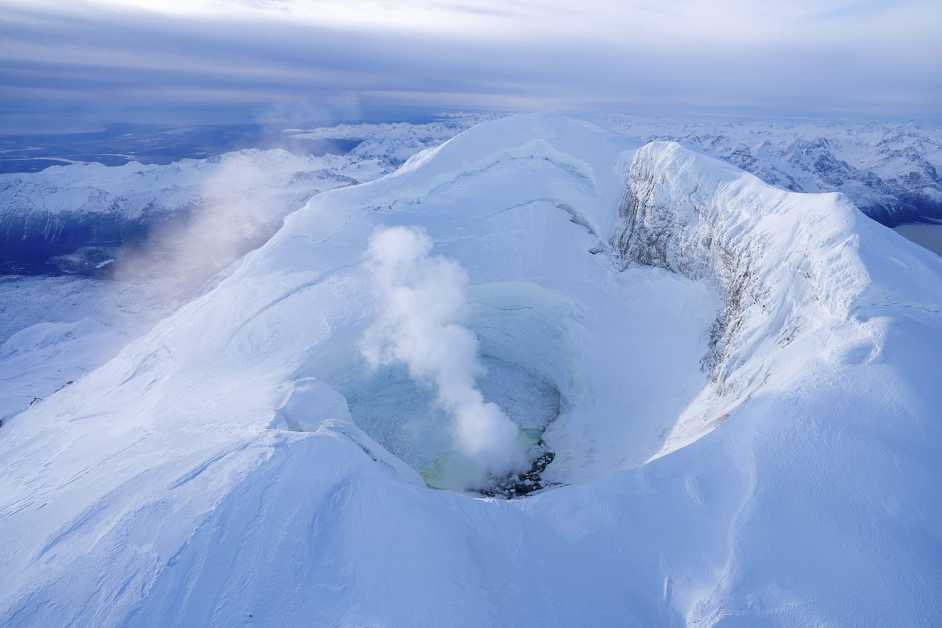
(74, 218)
(891, 171)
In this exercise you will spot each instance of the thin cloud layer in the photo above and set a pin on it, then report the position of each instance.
(217, 60)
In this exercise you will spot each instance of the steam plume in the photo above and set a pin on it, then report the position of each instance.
(422, 306)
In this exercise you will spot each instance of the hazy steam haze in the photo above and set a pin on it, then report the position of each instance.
(422, 301)
(241, 203)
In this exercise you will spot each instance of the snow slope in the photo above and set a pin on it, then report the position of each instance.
(72, 218)
(53, 330)
(388, 145)
(738, 383)
(163, 230)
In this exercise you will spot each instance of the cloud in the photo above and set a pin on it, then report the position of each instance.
(421, 303)
(787, 58)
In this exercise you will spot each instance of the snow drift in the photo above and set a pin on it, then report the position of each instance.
(738, 384)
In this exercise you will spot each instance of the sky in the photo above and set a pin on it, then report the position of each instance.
(85, 63)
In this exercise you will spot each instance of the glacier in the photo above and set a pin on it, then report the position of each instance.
(737, 383)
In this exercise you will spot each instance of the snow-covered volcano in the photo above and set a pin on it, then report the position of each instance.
(738, 385)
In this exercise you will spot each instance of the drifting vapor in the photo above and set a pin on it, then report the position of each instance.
(241, 201)
(422, 300)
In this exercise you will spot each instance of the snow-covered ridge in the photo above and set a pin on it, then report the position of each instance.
(240, 463)
(72, 218)
(786, 263)
(65, 210)
(891, 171)
(770, 251)
(392, 143)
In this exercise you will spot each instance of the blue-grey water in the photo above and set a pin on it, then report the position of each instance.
(925, 235)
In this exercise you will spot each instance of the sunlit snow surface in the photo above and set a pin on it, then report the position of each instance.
(746, 424)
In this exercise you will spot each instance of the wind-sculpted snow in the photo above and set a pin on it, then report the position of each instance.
(243, 464)
(53, 330)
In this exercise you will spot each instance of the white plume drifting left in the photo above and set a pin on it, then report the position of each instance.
(422, 303)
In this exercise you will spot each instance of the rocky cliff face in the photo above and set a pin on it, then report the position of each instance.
(785, 263)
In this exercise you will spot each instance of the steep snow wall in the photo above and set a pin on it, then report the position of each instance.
(773, 253)
(786, 263)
